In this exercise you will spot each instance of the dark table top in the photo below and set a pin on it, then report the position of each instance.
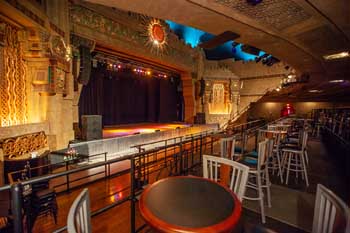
(193, 204)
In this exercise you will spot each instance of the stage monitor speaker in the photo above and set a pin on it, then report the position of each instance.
(85, 65)
(202, 87)
(200, 118)
(91, 127)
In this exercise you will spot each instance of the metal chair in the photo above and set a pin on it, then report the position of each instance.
(228, 148)
(258, 170)
(79, 216)
(239, 173)
(294, 159)
(331, 214)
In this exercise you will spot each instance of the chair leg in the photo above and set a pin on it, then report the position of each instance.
(306, 157)
(279, 166)
(296, 165)
(268, 184)
(261, 197)
(304, 169)
(288, 166)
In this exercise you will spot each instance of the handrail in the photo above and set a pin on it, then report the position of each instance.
(173, 139)
(235, 116)
(84, 157)
(142, 166)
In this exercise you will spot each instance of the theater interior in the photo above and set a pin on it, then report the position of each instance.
(175, 116)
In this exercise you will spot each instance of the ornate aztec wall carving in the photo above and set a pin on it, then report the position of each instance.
(13, 97)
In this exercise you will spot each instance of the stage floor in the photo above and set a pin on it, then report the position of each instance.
(140, 128)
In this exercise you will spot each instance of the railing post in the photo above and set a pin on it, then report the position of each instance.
(212, 144)
(181, 159)
(132, 191)
(256, 139)
(16, 207)
(200, 148)
(67, 176)
(105, 164)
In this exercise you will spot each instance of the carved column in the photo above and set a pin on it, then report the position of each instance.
(188, 93)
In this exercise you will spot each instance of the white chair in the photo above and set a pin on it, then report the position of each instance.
(227, 147)
(239, 173)
(294, 159)
(259, 171)
(331, 214)
(276, 161)
(79, 216)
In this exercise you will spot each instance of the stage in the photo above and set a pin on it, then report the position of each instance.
(140, 128)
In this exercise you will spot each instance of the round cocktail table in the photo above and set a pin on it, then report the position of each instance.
(189, 204)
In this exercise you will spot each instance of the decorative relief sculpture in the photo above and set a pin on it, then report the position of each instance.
(13, 97)
(220, 103)
(21, 147)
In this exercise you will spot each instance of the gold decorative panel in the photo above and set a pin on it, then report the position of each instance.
(219, 103)
(21, 146)
(13, 98)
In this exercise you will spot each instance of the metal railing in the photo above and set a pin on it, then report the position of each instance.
(179, 158)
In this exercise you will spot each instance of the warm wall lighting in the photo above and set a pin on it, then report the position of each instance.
(315, 91)
(336, 56)
(337, 81)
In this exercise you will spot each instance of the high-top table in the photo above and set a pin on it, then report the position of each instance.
(189, 204)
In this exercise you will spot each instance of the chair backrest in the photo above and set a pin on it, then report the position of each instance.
(263, 152)
(227, 147)
(79, 216)
(304, 139)
(331, 214)
(239, 173)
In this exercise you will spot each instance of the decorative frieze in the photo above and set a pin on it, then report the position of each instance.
(134, 36)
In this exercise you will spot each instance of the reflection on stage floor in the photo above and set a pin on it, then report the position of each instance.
(140, 128)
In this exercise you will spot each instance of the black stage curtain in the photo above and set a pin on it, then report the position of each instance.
(125, 97)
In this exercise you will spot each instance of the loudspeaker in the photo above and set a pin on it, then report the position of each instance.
(202, 87)
(199, 118)
(85, 65)
(250, 49)
(91, 127)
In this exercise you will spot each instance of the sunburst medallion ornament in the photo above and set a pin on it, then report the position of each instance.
(157, 36)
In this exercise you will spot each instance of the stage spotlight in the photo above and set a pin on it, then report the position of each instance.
(250, 49)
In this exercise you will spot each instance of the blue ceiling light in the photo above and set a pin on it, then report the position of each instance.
(193, 36)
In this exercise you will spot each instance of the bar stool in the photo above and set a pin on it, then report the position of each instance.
(258, 170)
(294, 156)
(228, 148)
(275, 157)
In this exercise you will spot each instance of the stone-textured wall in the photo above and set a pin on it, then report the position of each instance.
(256, 79)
